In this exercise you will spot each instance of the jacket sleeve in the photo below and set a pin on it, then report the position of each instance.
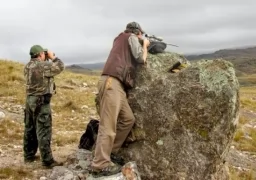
(136, 48)
(53, 68)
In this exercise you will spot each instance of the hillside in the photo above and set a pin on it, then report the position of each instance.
(76, 68)
(244, 59)
(73, 106)
(94, 66)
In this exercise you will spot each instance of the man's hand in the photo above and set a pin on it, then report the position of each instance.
(146, 42)
(50, 55)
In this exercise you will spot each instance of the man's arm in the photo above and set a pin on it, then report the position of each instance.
(139, 52)
(53, 68)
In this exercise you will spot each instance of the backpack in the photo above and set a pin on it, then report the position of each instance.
(89, 137)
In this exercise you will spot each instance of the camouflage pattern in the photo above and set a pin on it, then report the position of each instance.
(40, 76)
(38, 128)
(38, 118)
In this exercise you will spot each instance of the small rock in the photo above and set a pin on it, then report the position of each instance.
(2, 115)
(160, 142)
(83, 154)
(68, 176)
(84, 107)
(84, 164)
(85, 84)
(248, 126)
(43, 178)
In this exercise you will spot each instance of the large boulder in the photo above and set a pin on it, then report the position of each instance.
(185, 121)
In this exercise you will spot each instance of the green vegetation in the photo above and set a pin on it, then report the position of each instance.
(74, 104)
(15, 173)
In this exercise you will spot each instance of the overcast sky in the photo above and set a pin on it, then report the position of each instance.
(82, 31)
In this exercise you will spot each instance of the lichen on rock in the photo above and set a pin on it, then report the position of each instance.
(185, 121)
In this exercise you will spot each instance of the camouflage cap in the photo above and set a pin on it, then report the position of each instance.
(135, 25)
(36, 49)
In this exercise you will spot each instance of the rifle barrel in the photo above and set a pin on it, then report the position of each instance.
(172, 45)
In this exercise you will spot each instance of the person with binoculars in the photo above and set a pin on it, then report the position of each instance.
(39, 74)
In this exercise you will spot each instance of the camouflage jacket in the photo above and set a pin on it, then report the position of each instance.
(39, 76)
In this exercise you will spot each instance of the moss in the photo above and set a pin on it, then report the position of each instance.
(139, 133)
(203, 133)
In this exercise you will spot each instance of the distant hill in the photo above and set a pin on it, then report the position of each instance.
(76, 68)
(244, 59)
(93, 66)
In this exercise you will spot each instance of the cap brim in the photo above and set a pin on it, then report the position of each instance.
(45, 49)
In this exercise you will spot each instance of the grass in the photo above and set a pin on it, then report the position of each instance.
(245, 137)
(61, 139)
(74, 91)
(246, 141)
(12, 80)
(248, 98)
(10, 130)
(241, 175)
(247, 80)
(73, 105)
(15, 173)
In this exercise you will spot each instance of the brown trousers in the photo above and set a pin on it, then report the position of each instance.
(116, 120)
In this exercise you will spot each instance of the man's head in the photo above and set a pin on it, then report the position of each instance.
(37, 51)
(135, 28)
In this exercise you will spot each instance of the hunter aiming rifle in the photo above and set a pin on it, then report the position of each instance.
(156, 44)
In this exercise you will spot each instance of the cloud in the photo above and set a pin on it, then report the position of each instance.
(83, 31)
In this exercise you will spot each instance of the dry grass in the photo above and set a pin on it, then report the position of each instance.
(15, 173)
(248, 98)
(247, 80)
(10, 130)
(72, 107)
(12, 80)
(235, 174)
(246, 141)
(69, 115)
(245, 137)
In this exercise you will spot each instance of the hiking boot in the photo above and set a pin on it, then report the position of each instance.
(117, 159)
(51, 164)
(31, 159)
(107, 171)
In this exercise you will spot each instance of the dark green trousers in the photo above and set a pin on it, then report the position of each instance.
(38, 128)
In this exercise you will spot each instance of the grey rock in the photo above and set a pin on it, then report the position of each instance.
(61, 173)
(84, 164)
(241, 159)
(129, 172)
(43, 178)
(77, 167)
(83, 154)
(185, 121)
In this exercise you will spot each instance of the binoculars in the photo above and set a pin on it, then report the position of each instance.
(46, 53)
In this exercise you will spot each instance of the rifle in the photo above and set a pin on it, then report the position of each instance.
(153, 38)
(156, 44)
